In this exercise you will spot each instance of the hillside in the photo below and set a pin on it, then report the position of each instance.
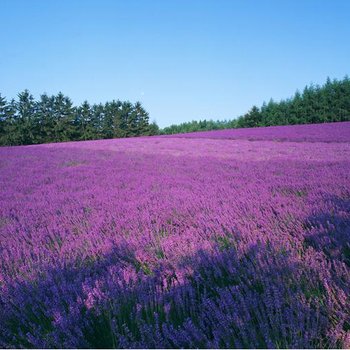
(227, 239)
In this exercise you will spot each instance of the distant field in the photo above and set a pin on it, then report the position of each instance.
(223, 239)
(330, 132)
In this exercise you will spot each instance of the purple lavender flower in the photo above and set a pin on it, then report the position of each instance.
(234, 238)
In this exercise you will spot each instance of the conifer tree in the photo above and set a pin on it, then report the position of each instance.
(98, 116)
(26, 119)
(126, 109)
(85, 114)
(107, 123)
(143, 119)
(63, 118)
(46, 114)
(2, 116)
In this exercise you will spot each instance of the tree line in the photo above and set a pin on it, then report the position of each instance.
(54, 118)
(202, 125)
(315, 104)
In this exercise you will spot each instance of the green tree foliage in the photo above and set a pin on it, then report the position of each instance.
(55, 119)
(9, 135)
(46, 115)
(86, 123)
(251, 119)
(153, 129)
(27, 123)
(127, 120)
(98, 114)
(63, 118)
(316, 104)
(143, 120)
(202, 125)
(3, 114)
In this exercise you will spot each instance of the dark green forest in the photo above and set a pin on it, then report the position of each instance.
(28, 121)
(315, 104)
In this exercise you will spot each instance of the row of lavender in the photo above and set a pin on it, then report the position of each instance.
(172, 242)
(327, 132)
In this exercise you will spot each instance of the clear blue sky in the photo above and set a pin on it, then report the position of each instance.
(183, 60)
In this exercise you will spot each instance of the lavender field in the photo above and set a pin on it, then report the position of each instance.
(224, 239)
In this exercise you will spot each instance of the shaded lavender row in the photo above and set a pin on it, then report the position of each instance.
(328, 132)
(161, 242)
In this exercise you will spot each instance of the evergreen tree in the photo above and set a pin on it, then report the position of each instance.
(64, 120)
(11, 136)
(107, 123)
(85, 118)
(54, 118)
(46, 114)
(2, 118)
(143, 116)
(115, 111)
(253, 117)
(126, 110)
(26, 127)
(98, 115)
(133, 123)
(153, 129)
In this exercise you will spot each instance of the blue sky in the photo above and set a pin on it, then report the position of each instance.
(183, 60)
